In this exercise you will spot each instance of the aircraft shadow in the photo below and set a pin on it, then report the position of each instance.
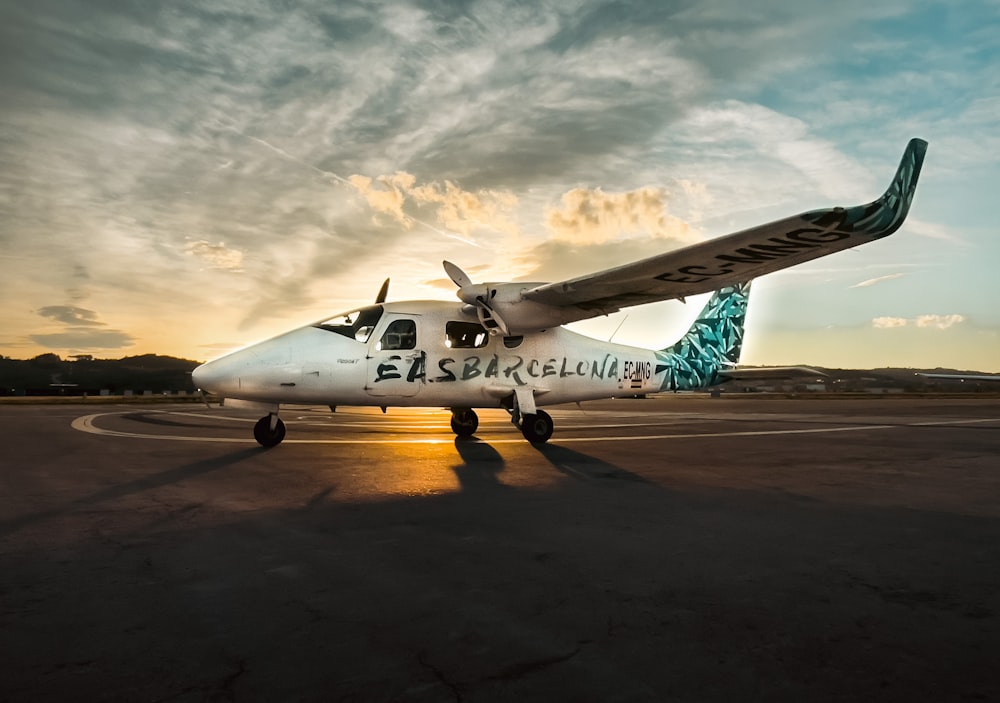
(583, 466)
(480, 464)
(138, 485)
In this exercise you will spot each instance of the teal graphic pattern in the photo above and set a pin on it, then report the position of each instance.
(712, 345)
(884, 216)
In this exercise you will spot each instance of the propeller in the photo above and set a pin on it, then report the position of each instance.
(457, 275)
(481, 296)
(383, 292)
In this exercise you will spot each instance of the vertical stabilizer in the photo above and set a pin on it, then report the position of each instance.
(711, 345)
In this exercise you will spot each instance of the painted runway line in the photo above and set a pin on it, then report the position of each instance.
(87, 423)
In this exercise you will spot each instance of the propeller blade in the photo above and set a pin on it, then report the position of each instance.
(382, 292)
(469, 293)
(457, 275)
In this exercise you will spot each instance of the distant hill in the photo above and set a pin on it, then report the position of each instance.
(896, 379)
(48, 374)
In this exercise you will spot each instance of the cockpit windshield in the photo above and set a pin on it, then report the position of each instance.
(357, 324)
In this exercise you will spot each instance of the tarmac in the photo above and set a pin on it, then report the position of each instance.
(680, 548)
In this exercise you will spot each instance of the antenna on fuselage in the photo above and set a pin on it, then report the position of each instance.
(618, 327)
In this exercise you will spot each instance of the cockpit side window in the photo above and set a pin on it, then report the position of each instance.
(465, 335)
(357, 324)
(400, 334)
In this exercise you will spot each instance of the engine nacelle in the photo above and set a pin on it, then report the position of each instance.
(502, 309)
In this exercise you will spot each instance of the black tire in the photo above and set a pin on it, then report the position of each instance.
(464, 423)
(537, 428)
(263, 434)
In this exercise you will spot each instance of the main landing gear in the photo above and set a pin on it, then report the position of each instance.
(269, 431)
(536, 427)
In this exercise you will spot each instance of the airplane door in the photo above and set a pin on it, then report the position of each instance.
(395, 365)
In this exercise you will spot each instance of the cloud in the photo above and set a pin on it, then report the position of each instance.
(80, 333)
(593, 230)
(217, 256)
(442, 283)
(941, 322)
(70, 314)
(560, 259)
(591, 216)
(885, 323)
(84, 338)
(880, 279)
(747, 130)
(389, 198)
(933, 231)
(451, 207)
(464, 211)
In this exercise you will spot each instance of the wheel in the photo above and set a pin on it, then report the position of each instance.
(464, 422)
(265, 436)
(537, 428)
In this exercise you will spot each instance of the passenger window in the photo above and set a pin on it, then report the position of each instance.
(465, 335)
(400, 334)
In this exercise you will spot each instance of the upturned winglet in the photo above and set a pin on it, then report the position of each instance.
(884, 216)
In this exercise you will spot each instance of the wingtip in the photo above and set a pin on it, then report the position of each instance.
(883, 216)
(905, 181)
(892, 208)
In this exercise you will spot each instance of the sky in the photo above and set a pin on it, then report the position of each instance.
(185, 178)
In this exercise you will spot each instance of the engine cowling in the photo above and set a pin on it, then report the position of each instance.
(502, 308)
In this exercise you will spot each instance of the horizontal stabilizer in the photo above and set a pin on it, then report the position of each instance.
(768, 373)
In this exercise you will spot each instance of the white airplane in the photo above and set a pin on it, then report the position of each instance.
(503, 344)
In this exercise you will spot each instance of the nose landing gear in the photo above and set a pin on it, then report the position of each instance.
(464, 421)
(269, 431)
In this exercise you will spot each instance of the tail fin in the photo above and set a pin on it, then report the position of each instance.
(711, 345)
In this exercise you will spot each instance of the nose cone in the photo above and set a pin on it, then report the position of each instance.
(211, 376)
(198, 376)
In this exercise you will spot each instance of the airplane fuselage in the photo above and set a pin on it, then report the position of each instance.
(428, 353)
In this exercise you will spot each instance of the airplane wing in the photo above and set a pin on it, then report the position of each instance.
(739, 257)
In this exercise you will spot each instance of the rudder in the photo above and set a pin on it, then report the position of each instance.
(713, 343)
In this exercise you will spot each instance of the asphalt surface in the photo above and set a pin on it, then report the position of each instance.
(678, 548)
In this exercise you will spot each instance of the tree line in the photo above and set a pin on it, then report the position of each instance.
(51, 374)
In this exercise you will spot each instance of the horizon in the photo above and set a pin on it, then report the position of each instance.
(70, 359)
(193, 182)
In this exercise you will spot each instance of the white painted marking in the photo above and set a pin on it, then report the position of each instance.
(86, 423)
(395, 424)
(951, 422)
